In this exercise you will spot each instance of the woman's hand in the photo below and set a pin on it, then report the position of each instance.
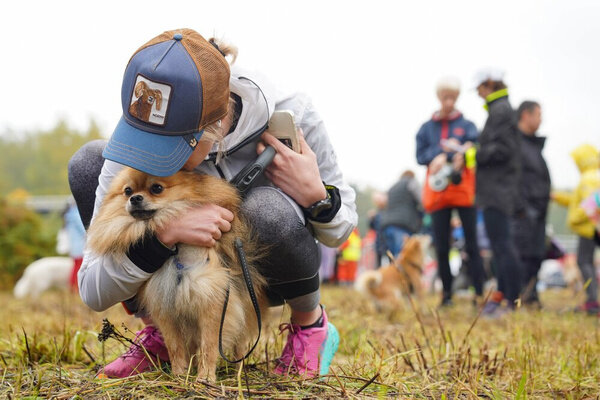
(200, 226)
(458, 161)
(437, 163)
(297, 174)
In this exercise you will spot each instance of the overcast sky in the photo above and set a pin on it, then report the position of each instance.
(370, 66)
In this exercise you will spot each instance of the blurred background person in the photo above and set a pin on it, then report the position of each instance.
(591, 205)
(403, 214)
(75, 234)
(327, 266)
(529, 224)
(587, 159)
(380, 201)
(349, 255)
(441, 145)
(498, 165)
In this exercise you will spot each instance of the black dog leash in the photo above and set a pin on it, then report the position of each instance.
(248, 280)
(244, 181)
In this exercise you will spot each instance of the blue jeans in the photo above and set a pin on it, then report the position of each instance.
(394, 238)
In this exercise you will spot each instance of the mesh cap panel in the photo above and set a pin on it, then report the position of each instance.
(214, 74)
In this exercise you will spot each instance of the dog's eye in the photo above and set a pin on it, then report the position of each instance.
(156, 189)
(128, 191)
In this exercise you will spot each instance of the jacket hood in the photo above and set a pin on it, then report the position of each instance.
(586, 157)
(258, 103)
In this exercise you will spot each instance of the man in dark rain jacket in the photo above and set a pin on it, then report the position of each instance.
(529, 226)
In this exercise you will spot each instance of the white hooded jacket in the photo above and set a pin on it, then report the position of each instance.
(104, 282)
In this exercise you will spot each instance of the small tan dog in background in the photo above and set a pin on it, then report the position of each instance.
(142, 107)
(185, 296)
(387, 286)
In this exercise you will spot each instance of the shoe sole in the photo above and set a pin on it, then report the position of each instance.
(329, 348)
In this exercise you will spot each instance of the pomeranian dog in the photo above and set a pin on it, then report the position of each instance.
(44, 274)
(387, 285)
(185, 296)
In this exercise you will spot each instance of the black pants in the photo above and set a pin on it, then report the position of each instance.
(441, 239)
(529, 237)
(498, 228)
(585, 260)
(531, 266)
(292, 267)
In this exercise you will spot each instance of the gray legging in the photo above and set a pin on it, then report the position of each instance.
(292, 267)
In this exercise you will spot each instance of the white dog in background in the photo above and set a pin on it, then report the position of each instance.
(43, 274)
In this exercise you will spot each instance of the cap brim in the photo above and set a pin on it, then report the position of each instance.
(154, 154)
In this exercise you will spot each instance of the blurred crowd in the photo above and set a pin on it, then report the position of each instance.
(485, 203)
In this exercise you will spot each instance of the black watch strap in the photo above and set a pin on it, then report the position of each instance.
(333, 196)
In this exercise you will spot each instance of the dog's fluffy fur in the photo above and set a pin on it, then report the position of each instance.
(185, 304)
(145, 98)
(44, 274)
(387, 285)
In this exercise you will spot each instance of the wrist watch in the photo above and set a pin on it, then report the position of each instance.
(314, 210)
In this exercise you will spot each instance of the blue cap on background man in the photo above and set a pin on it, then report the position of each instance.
(174, 86)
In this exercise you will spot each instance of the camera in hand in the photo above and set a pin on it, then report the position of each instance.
(445, 176)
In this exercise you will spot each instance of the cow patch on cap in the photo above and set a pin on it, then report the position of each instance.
(150, 101)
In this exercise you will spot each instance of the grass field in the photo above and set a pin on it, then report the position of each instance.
(49, 349)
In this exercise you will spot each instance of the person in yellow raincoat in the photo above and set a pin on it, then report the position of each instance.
(587, 158)
(350, 253)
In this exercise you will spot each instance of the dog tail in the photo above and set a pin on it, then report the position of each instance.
(368, 281)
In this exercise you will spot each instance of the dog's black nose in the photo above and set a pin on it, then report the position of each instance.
(136, 200)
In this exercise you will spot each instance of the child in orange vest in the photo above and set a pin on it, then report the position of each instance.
(350, 253)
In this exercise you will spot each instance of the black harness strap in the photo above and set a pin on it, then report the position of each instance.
(248, 280)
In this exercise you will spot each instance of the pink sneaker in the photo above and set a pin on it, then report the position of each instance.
(308, 352)
(135, 361)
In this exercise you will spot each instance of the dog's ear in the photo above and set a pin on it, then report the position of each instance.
(158, 97)
(140, 87)
(393, 260)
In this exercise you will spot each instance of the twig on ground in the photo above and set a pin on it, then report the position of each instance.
(407, 356)
(29, 360)
(476, 318)
(363, 387)
(88, 353)
(342, 387)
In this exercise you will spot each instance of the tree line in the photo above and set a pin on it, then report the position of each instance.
(37, 161)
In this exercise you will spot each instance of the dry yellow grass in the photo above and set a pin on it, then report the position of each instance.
(49, 349)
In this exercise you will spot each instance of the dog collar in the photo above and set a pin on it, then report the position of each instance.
(178, 264)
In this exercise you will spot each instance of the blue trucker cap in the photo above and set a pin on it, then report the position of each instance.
(174, 86)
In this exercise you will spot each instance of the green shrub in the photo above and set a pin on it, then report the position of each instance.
(24, 237)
